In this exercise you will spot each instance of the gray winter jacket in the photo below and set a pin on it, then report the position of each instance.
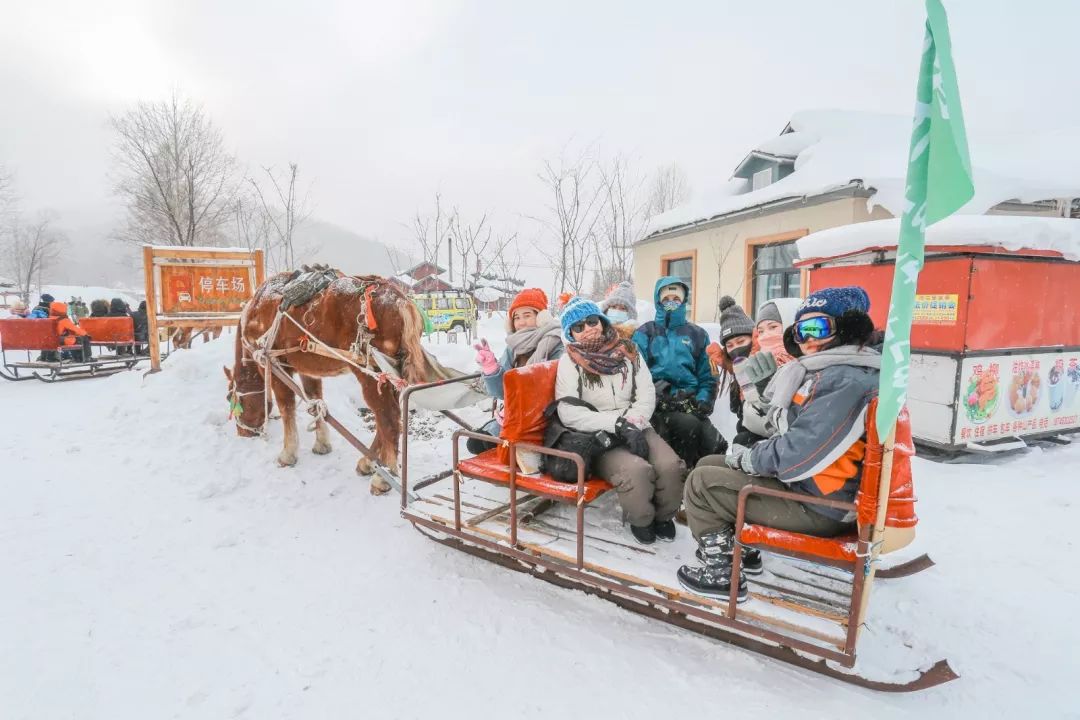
(820, 442)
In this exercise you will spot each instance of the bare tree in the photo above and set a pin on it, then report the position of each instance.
(722, 252)
(174, 174)
(281, 215)
(431, 232)
(251, 226)
(670, 188)
(31, 250)
(7, 197)
(573, 216)
(623, 216)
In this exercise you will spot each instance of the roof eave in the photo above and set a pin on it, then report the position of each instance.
(853, 189)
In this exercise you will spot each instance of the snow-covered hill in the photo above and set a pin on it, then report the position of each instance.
(155, 565)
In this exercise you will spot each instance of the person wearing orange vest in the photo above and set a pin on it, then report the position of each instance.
(70, 333)
(817, 408)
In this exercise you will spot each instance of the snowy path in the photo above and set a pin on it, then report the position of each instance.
(157, 566)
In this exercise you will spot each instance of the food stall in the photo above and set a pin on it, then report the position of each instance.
(995, 337)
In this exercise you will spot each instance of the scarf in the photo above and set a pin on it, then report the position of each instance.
(775, 345)
(607, 355)
(788, 379)
(537, 343)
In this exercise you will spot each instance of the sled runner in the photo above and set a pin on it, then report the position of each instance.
(48, 359)
(806, 609)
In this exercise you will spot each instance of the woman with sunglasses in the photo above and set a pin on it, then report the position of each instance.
(817, 405)
(602, 384)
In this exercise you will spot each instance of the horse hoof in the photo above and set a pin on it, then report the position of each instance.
(364, 467)
(286, 460)
(321, 448)
(381, 487)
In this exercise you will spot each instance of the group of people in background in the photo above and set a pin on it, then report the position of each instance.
(636, 402)
(74, 339)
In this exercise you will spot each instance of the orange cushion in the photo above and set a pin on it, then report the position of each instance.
(20, 334)
(109, 329)
(841, 547)
(901, 509)
(488, 466)
(527, 391)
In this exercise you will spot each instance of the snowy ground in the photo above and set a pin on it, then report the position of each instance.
(155, 565)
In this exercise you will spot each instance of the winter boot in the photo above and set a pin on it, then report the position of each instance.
(751, 560)
(714, 578)
(664, 530)
(644, 534)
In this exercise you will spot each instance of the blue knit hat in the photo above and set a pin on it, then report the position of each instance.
(577, 310)
(835, 301)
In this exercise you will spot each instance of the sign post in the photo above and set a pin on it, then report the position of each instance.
(196, 288)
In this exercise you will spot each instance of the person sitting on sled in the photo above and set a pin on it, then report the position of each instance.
(533, 336)
(70, 334)
(817, 414)
(41, 310)
(620, 307)
(674, 349)
(603, 386)
(749, 360)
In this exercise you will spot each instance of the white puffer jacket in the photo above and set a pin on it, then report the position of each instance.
(611, 399)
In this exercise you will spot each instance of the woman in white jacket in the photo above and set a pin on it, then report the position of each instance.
(606, 371)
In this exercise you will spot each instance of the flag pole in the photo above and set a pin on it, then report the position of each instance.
(938, 184)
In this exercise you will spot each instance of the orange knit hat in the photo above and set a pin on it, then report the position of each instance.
(534, 298)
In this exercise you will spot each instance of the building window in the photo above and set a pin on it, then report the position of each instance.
(762, 178)
(774, 274)
(682, 268)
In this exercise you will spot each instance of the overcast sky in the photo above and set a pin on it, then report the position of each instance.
(384, 103)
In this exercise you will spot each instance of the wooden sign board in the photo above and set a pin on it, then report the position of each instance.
(197, 288)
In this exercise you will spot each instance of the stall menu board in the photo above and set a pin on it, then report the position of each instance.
(1014, 395)
(204, 288)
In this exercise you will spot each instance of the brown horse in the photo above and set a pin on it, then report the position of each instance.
(348, 309)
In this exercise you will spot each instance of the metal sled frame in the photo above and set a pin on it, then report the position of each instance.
(62, 370)
(774, 637)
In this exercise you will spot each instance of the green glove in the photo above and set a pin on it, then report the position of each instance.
(759, 366)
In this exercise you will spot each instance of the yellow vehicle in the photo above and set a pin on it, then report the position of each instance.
(447, 309)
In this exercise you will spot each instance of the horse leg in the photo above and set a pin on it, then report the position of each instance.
(380, 406)
(313, 389)
(286, 401)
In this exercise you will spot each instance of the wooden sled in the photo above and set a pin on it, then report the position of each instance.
(806, 609)
(34, 337)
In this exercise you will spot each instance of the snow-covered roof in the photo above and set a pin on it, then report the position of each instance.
(488, 294)
(836, 148)
(6, 282)
(1011, 232)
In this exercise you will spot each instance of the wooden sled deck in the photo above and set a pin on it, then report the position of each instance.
(807, 608)
(804, 600)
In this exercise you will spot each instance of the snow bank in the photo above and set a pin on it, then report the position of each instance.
(835, 148)
(1004, 231)
(157, 565)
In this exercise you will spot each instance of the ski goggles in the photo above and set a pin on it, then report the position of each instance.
(591, 321)
(815, 328)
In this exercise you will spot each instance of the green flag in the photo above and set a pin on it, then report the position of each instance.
(938, 184)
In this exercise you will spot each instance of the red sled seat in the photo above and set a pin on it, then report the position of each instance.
(489, 467)
(527, 391)
(841, 550)
(37, 334)
(109, 330)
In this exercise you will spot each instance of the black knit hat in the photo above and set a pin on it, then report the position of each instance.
(733, 320)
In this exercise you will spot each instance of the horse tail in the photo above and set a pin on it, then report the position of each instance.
(416, 368)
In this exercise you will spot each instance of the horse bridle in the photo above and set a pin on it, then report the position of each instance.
(236, 395)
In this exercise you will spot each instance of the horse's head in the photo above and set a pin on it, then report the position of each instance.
(247, 399)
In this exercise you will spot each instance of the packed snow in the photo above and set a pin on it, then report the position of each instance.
(157, 565)
(835, 148)
(1010, 232)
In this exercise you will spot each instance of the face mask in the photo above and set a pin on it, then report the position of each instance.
(671, 305)
(739, 353)
(618, 316)
(771, 343)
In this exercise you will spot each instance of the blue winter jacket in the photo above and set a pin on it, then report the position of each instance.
(38, 313)
(675, 349)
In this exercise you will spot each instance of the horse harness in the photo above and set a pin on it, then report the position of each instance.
(313, 282)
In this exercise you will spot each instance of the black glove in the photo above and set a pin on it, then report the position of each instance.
(701, 409)
(633, 438)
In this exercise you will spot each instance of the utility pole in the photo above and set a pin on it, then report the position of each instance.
(450, 257)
